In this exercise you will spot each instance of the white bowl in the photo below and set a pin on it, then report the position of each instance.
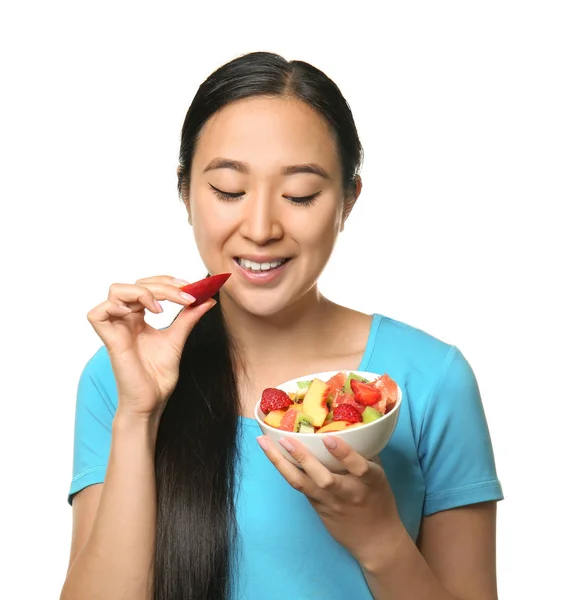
(368, 440)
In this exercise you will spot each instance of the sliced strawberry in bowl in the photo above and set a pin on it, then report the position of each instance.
(347, 412)
(348, 398)
(365, 393)
(274, 399)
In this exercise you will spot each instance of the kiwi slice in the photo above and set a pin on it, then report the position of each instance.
(305, 428)
(347, 387)
(370, 414)
(302, 387)
(303, 420)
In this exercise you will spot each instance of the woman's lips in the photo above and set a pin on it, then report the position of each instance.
(261, 277)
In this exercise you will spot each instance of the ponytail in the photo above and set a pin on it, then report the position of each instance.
(196, 464)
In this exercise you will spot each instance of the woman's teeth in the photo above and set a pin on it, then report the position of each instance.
(254, 266)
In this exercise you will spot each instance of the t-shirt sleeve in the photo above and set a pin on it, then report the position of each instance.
(455, 447)
(95, 409)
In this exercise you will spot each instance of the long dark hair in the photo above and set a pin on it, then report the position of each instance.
(196, 450)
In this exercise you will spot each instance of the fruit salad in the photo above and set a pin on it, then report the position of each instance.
(342, 402)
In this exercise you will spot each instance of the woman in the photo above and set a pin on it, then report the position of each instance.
(175, 494)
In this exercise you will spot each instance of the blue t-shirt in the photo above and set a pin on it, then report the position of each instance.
(439, 457)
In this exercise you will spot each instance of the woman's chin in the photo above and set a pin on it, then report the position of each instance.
(272, 303)
(261, 305)
(263, 308)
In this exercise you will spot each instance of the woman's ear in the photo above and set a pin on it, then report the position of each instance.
(184, 191)
(187, 205)
(350, 200)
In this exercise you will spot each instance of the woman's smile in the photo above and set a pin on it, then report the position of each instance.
(259, 271)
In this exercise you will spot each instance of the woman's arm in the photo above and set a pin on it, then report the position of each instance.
(456, 561)
(116, 559)
(141, 365)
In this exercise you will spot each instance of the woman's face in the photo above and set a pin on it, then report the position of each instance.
(266, 188)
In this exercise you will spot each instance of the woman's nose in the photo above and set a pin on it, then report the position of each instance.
(261, 223)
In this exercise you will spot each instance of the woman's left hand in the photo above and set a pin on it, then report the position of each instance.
(358, 507)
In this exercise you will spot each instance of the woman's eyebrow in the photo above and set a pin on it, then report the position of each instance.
(226, 163)
(236, 165)
(307, 168)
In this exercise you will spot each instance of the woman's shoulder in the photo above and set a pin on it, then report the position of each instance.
(98, 362)
(97, 374)
(411, 338)
(433, 373)
(409, 352)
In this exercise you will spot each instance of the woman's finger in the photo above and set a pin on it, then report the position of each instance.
(166, 279)
(321, 476)
(156, 291)
(297, 479)
(185, 321)
(355, 464)
(135, 297)
(106, 310)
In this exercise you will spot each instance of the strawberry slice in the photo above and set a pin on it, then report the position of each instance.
(364, 393)
(205, 288)
(347, 412)
(348, 398)
(274, 399)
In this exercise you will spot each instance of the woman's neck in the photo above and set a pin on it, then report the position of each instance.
(298, 331)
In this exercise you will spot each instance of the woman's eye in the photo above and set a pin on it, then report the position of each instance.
(303, 200)
(226, 195)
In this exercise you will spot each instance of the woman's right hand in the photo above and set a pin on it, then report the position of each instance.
(145, 360)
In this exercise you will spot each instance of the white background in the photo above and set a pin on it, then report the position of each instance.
(459, 108)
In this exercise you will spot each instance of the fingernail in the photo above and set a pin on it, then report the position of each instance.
(330, 442)
(262, 442)
(187, 297)
(287, 444)
(181, 282)
(158, 306)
